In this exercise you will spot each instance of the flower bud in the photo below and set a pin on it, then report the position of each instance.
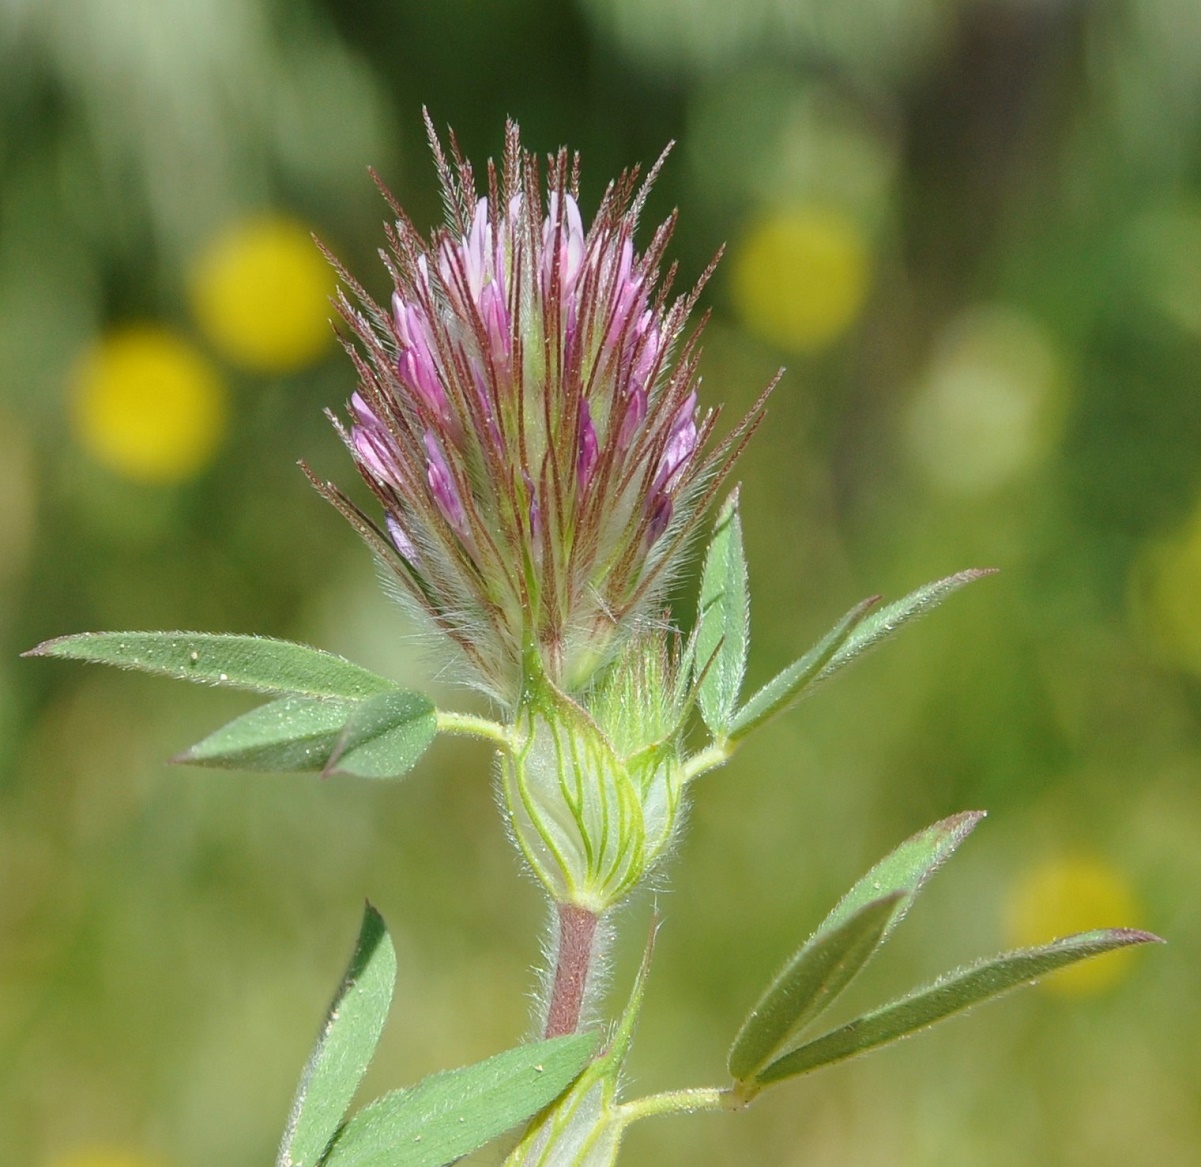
(594, 793)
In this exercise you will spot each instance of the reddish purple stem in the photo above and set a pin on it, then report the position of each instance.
(573, 965)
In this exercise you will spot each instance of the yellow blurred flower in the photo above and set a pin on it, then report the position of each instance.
(1167, 596)
(800, 277)
(148, 405)
(260, 292)
(1067, 894)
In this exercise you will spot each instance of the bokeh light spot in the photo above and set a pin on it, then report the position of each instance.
(148, 406)
(799, 277)
(260, 292)
(982, 415)
(1166, 246)
(1167, 596)
(1067, 894)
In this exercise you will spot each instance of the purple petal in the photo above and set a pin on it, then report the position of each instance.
(494, 312)
(415, 365)
(660, 516)
(586, 458)
(535, 512)
(564, 239)
(681, 444)
(442, 485)
(648, 344)
(372, 442)
(477, 248)
(400, 540)
(626, 298)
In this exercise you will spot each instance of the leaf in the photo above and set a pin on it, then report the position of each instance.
(242, 662)
(451, 1114)
(905, 870)
(384, 736)
(344, 1047)
(808, 983)
(378, 738)
(889, 620)
(786, 687)
(949, 994)
(723, 620)
(291, 735)
(845, 941)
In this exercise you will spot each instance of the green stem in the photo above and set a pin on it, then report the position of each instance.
(465, 725)
(712, 756)
(678, 1102)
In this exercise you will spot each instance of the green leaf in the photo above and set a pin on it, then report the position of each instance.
(845, 941)
(381, 737)
(344, 1047)
(449, 1115)
(384, 736)
(889, 620)
(808, 983)
(723, 620)
(949, 994)
(292, 735)
(242, 662)
(905, 870)
(788, 686)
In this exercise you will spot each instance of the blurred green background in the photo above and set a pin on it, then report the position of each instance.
(971, 229)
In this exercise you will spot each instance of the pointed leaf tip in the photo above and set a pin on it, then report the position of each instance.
(886, 622)
(859, 631)
(291, 735)
(907, 868)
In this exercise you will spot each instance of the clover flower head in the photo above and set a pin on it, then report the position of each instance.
(527, 416)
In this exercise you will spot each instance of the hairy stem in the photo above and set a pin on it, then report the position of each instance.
(678, 1102)
(573, 968)
(466, 725)
(712, 756)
